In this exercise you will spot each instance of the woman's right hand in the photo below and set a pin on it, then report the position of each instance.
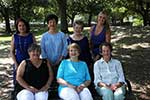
(72, 86)
(97, 57)
(33, 89)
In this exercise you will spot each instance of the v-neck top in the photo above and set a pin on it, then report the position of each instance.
(97, 40)
(85, 54)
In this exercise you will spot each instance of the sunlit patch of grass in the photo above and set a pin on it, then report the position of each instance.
(5, 38)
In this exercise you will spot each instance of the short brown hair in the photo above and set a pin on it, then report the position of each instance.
(107, 44)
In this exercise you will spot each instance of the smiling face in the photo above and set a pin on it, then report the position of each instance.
(73, 52)
(52, 24)
(34, 51)
(106, 53)
(34, 54)
(21, 27)
(78, 28)
(101, 18)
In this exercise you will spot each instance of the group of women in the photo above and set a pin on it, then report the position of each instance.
(68, 60)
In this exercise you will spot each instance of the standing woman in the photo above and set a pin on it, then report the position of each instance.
(82, 41)
(99, 33)
(53, 43)
(20, 42)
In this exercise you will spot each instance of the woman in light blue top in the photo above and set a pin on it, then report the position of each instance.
(73, 77)
(53, 43)
(108, 76)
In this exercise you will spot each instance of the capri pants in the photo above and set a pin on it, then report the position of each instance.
(108, 94)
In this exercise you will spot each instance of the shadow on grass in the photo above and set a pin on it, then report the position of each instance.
(133, 50)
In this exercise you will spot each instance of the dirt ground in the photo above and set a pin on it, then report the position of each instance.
(131, 46)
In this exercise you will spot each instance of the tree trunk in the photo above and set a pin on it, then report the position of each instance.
(16, 9)
(8, 29)
(145, 20)
(5, 14)
(62, 8)
(89, 20)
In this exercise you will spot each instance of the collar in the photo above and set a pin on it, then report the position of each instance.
(102, 60)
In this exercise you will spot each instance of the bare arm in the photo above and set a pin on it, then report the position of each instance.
(50, 79)
(108, 36)
(12, 51)
(90, 43)
(83, 85)
(21, 81)
(34, 40)
(65, 83)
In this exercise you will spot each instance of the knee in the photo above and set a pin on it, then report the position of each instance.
(69, 94)
(105, 91)
(41, 95)
(85, 94)
(108, 93)
(25, 95)
(119, 96)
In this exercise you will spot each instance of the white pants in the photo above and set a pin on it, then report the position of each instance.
(28, 95)
(70, 94)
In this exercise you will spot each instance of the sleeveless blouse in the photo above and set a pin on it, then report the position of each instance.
(36, 77)
(85, 54)
(97, 40)
(22, 44)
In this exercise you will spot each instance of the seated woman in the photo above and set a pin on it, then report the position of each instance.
(34, 75)
(73, 77)
(108, 75)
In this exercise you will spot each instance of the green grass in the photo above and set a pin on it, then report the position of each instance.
(5, 38)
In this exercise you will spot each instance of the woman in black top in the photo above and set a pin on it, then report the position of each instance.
(34, 75)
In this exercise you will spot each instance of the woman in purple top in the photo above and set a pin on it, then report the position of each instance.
(99, 33)
(82, 41)
(20, 42)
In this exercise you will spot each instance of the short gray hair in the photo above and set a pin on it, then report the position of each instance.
(34, 47)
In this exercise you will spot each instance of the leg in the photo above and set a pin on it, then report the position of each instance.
(85, 94)
(43, 95)
(25, 95)
(14, 74)
(69, 94)
(106, 93)
(119, 94)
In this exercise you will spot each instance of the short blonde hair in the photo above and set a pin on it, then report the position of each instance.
(74, 45)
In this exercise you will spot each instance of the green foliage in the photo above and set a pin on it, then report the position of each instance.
(137, 22)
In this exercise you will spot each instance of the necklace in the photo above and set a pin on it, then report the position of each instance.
(22, 43)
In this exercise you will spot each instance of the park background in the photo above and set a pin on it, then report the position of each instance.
(130, 25)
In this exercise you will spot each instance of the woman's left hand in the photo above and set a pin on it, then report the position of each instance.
(80, 88)
(44, 88)
(113, 87)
